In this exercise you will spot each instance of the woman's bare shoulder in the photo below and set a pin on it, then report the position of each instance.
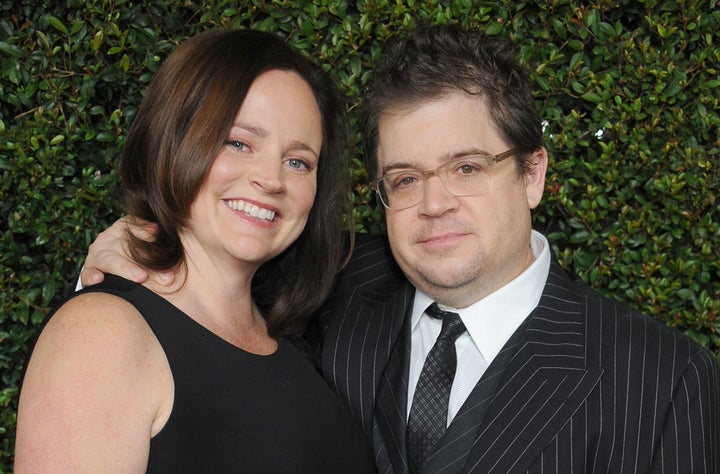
(96, 387)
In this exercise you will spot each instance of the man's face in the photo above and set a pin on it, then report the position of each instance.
(458, 249)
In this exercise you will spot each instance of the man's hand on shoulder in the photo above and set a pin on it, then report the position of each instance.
(108, 254)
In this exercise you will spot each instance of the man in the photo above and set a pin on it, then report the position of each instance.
(543, 375)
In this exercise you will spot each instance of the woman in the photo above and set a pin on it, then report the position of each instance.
(237, 135)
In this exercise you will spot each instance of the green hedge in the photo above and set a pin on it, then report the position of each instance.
(629, 90)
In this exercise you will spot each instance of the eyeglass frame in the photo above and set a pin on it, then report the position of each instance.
(491, 159)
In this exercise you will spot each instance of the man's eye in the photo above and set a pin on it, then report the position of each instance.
(404, 181)
(468, 169)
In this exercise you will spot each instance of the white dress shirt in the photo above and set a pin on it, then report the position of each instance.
(490, 322)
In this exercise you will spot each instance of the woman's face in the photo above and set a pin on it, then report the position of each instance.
(261, 186)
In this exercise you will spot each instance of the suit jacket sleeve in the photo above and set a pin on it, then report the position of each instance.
(690, 439)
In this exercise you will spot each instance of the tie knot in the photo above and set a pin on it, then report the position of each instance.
(452, 325)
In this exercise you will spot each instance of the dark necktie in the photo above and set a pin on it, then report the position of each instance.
(428, 412)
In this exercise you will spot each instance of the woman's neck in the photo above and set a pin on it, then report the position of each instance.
(219, 297)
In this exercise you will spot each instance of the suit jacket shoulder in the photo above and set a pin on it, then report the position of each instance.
(607, 389)
(370, 264)
(590, 386)
(361, 323)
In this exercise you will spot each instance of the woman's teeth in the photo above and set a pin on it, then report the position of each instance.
(251, 209)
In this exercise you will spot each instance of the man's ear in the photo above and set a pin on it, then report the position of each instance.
(535, 176)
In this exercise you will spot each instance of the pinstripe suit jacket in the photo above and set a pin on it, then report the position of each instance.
(584, 385)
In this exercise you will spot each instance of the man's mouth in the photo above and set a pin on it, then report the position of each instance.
(251, 209)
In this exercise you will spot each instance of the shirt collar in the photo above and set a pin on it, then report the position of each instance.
(492, 320)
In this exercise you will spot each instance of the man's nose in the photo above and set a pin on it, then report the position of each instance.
(436, 199)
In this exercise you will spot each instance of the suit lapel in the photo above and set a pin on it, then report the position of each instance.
(391, 402)
(460, 436)
(546, 380)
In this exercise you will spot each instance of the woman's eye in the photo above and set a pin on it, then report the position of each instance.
(298, 164)
(236, 145)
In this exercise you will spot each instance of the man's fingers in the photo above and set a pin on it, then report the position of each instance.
(90, 276)
(118, 264)
(108, 254)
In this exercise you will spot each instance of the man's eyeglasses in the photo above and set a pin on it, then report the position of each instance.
(465, 176)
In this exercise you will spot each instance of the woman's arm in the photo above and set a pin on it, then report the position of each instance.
(97, 388)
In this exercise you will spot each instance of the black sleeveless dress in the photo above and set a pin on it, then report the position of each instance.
(235, 411)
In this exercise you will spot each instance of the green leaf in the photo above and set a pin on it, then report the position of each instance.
(97, 40)
(591, 97)
(57, 24)
(494, 28)
(686, 294)
(10, 50)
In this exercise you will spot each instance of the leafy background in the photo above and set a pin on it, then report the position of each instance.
(629, 90)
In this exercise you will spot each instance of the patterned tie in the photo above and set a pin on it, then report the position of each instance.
(428, 412)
